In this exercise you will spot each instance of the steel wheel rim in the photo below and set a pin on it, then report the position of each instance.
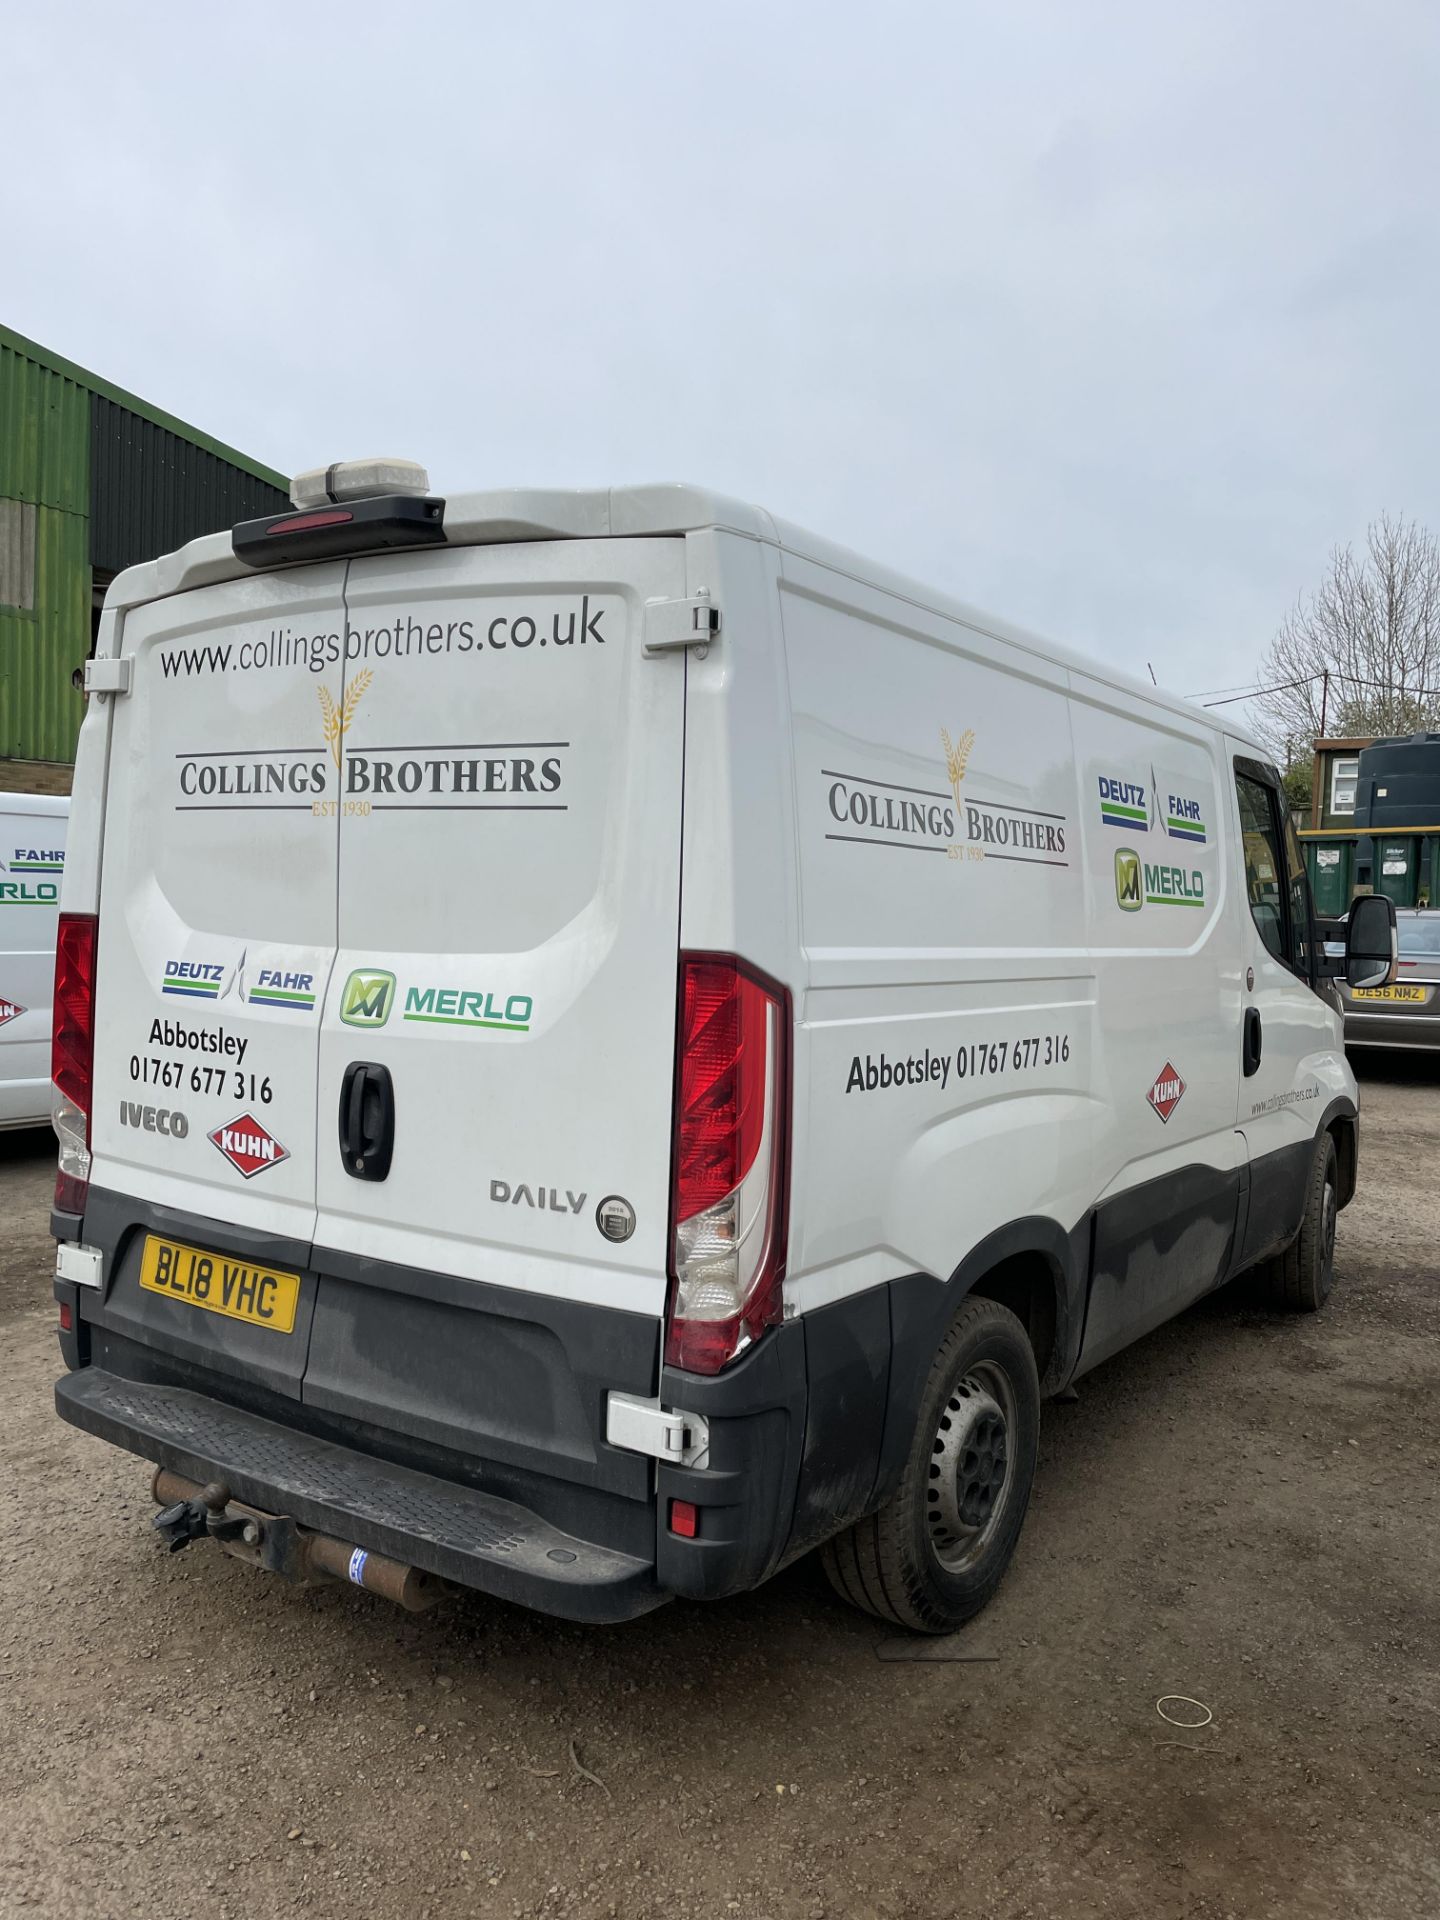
(971, 1470)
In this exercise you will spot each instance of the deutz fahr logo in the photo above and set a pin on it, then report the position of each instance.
(368, 998)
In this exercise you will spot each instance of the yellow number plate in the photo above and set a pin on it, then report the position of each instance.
(261, 1296)
(1389, 993)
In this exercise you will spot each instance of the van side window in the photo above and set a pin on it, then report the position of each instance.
(1266, 870)
(1298, 882)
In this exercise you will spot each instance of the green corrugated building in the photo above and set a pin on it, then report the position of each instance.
(91, 481)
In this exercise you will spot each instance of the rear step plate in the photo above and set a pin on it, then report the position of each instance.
(472, 1538)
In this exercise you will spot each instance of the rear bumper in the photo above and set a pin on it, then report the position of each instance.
(460, 1428)
(455, 1531)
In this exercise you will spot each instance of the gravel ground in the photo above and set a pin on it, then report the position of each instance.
(1242, 1508)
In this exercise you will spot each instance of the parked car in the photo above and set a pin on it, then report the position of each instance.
(522, 1123)
(32, 865)
(1405, 1013)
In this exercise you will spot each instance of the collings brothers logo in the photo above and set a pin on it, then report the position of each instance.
(497, 777)
(884, 813)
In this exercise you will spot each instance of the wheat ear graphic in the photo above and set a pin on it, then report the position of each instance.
(337, 719)
(956, 754)
(330, 716)
(352, 697)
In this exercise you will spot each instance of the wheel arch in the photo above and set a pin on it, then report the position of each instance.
(1342, 1123)
(1033, 1267)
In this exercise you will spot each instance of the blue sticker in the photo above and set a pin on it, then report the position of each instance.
(357, 1566)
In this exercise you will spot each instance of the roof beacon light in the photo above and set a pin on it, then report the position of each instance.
(358, 480)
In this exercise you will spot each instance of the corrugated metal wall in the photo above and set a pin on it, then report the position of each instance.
(44, 459)
(109, 488)
(151, 491)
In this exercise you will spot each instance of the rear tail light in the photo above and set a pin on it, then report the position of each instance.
(72, 1056)
(731, 1150)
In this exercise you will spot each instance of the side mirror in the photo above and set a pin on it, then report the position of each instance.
(1371, 946)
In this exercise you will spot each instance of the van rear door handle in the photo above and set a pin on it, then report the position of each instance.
(1252, 1040)
(367, 1120)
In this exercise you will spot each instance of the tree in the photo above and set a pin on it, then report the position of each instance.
(1373, 627)
(1297, 778)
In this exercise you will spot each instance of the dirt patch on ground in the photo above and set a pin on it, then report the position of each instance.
(1243, 1509)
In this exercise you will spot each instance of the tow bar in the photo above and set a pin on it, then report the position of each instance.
(275, 1542)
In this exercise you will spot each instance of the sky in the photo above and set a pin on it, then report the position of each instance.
(1111, 319)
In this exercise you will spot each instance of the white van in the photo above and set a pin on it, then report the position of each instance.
(32, 865)
(529, 1119)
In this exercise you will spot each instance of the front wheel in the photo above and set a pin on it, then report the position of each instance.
(1300, 1279)
(935, 1553)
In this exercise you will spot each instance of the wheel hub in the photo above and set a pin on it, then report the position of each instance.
(969, 1469)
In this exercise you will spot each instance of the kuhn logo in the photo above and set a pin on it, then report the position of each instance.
(1167, 1091)
(9, 1011)
(249, 1147)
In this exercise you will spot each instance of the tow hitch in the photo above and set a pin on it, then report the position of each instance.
(205, 1517)
(276, 1543)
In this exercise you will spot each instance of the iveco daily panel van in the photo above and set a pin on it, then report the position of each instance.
(32, 864)
(602, 1043)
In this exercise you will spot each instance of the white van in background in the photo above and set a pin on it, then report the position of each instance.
(32, 865)
(603, 1043)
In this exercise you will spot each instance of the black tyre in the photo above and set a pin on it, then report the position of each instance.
(932, 1557)
(1299, 1280)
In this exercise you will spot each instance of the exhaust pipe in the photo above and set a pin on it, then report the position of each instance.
(275, 1542)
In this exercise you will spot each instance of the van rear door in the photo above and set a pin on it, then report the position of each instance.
(503, 1004)
(509, 889)
(215, 946)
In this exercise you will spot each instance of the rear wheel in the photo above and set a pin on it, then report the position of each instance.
(934, 1555)
(1299, 1280)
